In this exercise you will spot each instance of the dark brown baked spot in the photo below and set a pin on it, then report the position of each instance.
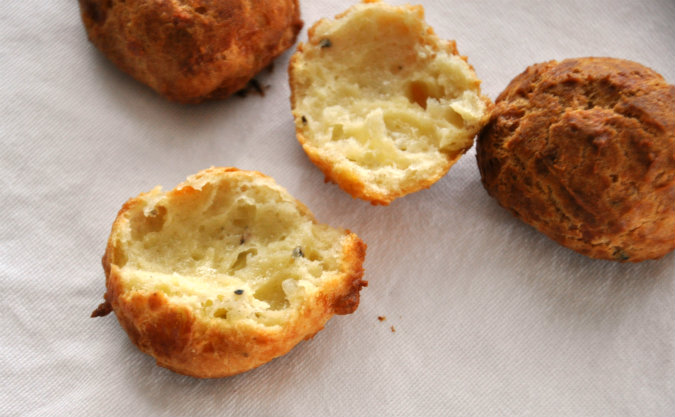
(102, 310)
(170, 332)
(95, 10)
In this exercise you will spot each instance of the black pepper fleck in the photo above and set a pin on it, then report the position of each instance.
(239, 292)
(304, 120)
(297, 252)
(325, 43)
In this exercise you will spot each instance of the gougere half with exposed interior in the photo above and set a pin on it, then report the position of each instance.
(226, 272)
(382, 105)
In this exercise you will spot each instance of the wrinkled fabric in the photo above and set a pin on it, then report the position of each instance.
(482, 315)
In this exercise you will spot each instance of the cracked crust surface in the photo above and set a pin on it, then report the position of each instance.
(584, 151)
(226, 272)
(192, 50)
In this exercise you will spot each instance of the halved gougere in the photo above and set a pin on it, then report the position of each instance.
(382, 105)
(226, 272)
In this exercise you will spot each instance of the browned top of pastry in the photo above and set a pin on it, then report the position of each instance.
(584, 150)
(190, 50)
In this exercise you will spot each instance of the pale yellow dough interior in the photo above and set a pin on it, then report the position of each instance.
(231, 252)
(381, 101)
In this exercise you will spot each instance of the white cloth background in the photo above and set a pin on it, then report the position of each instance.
(491, 317)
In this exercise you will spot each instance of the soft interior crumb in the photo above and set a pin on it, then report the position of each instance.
(383, 101)
(251, 254)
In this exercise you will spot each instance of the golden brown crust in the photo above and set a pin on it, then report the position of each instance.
(347, 299)
(192, 50)
(184, 342)
(584, 151)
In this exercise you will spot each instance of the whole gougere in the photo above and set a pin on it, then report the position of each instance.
(584, 151)
(192, 50)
